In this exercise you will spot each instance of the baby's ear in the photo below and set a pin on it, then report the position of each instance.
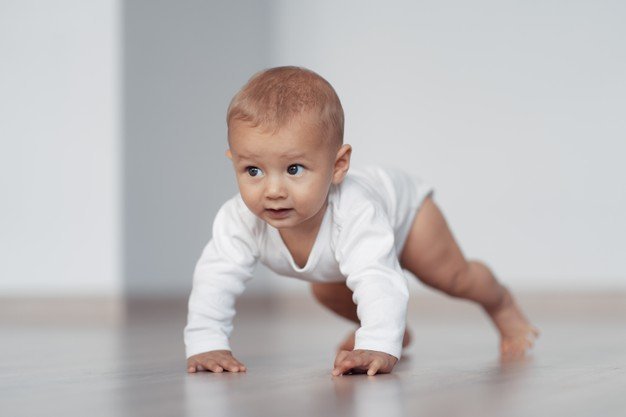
(342, 163)
(229, 154)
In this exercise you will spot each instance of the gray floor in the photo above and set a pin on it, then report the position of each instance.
(77, 360)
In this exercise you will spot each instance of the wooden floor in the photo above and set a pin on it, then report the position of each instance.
(75, 360)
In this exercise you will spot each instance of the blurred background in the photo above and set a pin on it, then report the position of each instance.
(112, 124)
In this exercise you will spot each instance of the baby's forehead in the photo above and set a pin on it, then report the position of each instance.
(258, 143)
(303, 131)
(305, 120)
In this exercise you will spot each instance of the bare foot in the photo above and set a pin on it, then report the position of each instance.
(348, 344)
(517, 335)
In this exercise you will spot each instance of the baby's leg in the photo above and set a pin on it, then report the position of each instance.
(338, 298)
(432, 254)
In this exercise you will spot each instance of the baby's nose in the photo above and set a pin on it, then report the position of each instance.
(275, 188)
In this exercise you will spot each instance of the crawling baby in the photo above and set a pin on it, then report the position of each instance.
(302, 212)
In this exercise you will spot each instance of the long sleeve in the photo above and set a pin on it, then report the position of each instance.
(226, 264)
(367, 257)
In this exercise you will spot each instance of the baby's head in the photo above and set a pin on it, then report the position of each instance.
(285, 136)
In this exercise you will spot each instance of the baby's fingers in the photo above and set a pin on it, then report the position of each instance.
(208, 365)
(211, 365)
(229, 363)
(193, 366)
(214, 361)
(233, 365)
(374, 367)
(349, 362)
(341, 356)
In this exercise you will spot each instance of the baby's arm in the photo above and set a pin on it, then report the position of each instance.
(367, 256)
(226, 264)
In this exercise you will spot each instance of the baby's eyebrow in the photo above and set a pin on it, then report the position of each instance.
(249, 157)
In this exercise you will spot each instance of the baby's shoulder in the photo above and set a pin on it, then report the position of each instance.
(361, 190)
(362, 187)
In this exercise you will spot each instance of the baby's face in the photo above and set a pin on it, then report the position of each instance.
(283, 177)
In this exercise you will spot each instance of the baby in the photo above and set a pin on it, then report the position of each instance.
(302, 214)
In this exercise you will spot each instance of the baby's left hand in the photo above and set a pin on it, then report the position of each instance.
(360, 361)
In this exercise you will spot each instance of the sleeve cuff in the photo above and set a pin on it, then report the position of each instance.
(392, 349)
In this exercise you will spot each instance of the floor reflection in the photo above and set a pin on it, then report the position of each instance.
(370, 396)
(138, 368)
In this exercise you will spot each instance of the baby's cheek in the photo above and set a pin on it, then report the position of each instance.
(312, 196)
(252, 205)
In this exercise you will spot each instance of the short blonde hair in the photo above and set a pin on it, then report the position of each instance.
(273, 97)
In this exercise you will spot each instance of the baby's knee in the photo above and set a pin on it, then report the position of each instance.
(318, 291)
(330, 293)
(321, 292)
(461, 280)
(471, 274)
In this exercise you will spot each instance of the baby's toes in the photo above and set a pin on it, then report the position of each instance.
(511, 353)
(514, 348)
(535, 331)
(531, 336)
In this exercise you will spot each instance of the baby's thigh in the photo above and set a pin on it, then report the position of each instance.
(430, 251)
(331, 291)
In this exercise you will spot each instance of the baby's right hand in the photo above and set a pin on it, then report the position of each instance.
(214, 361)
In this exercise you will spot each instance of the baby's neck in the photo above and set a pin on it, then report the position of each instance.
(300, 242)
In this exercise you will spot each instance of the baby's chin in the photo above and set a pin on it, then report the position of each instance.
(279, 223)
(291, 222)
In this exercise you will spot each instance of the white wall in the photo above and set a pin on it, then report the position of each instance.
(513, 110)
(59, 158)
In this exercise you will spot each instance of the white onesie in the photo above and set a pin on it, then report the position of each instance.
(364, 228)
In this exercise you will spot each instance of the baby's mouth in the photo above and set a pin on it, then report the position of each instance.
(278, 212)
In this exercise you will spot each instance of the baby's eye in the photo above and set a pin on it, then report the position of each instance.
(254, 171)
(295, 169)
